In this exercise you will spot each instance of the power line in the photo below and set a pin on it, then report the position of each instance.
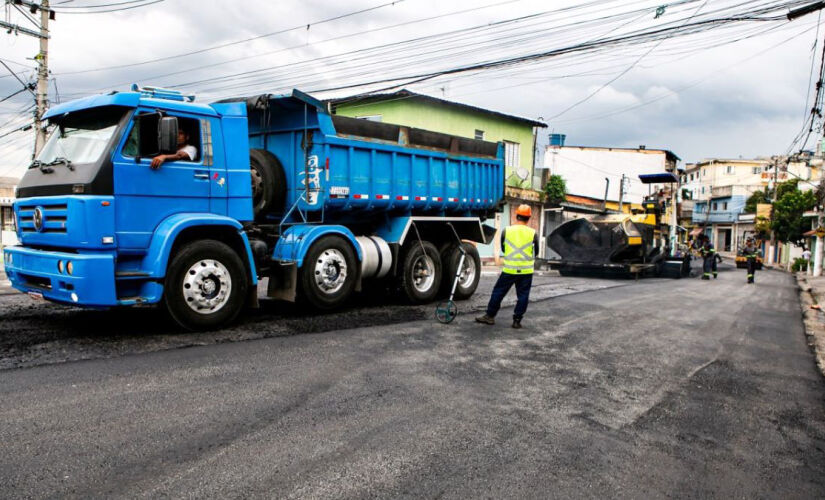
(645, 35)
(146, 3)
(237, 42)
(304, 45)
(97, 6)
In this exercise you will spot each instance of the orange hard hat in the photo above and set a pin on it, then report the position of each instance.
(524, 211)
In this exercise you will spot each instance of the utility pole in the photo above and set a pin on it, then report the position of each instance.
(621, 194)
(674, 219)
(773, 243)
(42, 78)
(42, 58)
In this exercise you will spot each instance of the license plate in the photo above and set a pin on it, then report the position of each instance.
(36, 295)
(339, 190)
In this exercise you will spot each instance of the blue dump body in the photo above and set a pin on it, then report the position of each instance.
(278, 188)
(357, 168)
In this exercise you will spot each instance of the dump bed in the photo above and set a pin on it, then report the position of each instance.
(354, 168)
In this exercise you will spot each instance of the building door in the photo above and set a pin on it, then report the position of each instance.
(724, 238)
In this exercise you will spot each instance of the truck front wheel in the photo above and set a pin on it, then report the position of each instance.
(329, 272)
(205, 285)
(421, 274)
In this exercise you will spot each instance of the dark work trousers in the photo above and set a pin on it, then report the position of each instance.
(523, 283)
(709, 265)
(751, 269)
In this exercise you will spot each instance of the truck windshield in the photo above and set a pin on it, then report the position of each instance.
(80, 137)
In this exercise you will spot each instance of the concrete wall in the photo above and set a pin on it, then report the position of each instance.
(462, 122)
(585, 169)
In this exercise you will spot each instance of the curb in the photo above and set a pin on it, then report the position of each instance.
(813, 321)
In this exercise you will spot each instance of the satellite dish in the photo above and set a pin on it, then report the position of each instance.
(522, 173)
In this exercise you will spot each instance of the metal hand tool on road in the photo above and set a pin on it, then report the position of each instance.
(445, 312)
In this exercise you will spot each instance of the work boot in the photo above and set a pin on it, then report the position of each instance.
(516, 323)
(714, 275)
(487, 320)
(705, 277)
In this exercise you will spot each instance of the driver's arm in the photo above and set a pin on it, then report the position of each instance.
(159, 160)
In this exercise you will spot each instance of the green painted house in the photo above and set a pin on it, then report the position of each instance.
(439, 115)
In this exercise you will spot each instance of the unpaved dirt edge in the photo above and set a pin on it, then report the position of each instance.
(813, 319)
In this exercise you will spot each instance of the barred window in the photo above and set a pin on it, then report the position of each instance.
(511, 154)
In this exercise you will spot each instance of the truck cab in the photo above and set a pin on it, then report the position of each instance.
(97, 224)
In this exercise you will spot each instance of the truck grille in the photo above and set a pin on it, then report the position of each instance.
(51, 219)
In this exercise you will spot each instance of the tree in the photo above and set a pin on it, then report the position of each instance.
(790, 204)
(555, 189)
(755, 199)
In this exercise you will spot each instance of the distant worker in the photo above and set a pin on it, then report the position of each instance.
(520, 246)
(185, 152)
(806, 254)
(709, 256)
(751, 253)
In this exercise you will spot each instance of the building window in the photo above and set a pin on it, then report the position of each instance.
(479, 135)
(371, 118)
(691, 177)
(724, 205)
(511, 154)
(756, 170)
(8, 218)
(729, 169)
(715, 206)
(704, 172)
(703, 189)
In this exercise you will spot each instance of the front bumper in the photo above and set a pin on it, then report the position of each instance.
(91, 283)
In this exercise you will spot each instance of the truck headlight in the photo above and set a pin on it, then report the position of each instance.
(69, 267)
(60, 266)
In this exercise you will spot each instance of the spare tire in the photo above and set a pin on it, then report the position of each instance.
(268, 182)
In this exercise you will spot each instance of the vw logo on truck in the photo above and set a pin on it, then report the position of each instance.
(38, 219)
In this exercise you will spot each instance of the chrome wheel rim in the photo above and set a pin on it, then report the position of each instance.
(468, 272)
(330, 271)
(207, 286)
(423, 273)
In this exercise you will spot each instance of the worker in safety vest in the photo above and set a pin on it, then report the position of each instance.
(708, 254)
(520, 246)
(751, 252)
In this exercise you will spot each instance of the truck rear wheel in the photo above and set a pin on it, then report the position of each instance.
(421, 272)
(205, 285)
(329, 273)
(268, 182)
(470, 271)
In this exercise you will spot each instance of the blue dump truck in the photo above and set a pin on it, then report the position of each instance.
(318, 204)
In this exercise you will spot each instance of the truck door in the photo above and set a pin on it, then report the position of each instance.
(145, 196)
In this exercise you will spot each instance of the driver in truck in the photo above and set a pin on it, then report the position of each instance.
(185, 152)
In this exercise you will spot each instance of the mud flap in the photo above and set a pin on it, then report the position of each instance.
(283, 282)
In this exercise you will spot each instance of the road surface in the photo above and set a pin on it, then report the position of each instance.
(656, 388)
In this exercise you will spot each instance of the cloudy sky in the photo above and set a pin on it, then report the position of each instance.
(689, 77)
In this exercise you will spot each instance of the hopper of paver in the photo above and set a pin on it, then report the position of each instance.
(604, 245)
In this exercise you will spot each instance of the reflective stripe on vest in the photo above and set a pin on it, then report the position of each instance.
(518, 250)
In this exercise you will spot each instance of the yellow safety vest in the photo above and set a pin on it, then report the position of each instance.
(518, 250)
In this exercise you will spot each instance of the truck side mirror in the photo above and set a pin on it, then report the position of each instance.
(168, 135)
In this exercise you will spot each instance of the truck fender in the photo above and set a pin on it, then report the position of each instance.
(293, 245)
(167, 232)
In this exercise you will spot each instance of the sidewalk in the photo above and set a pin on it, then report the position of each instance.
(812, 297)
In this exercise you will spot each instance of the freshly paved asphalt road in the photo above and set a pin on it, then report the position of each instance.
(654, 389)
